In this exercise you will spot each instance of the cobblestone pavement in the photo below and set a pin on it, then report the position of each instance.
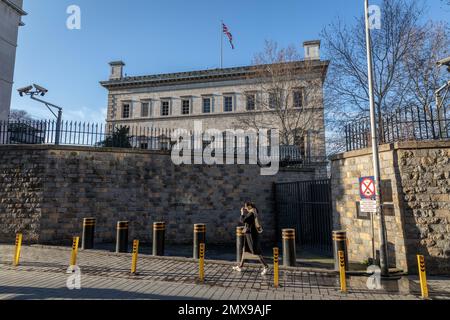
(106, 275)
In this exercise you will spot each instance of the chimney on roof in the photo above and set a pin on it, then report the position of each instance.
(116, 70)
(312, 50)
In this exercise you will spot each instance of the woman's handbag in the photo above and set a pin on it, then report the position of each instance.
(258, 225)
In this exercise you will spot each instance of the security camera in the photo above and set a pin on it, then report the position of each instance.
(41, 90)
(24, 90)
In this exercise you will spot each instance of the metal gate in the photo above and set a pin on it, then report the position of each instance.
(306, 207)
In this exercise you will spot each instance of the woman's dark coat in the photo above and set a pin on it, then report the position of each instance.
(252, 244)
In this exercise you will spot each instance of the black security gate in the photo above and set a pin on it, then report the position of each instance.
(306, 207)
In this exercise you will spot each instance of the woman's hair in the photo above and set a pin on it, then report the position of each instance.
(252, 205)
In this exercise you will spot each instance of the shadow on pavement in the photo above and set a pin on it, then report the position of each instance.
(32, 293)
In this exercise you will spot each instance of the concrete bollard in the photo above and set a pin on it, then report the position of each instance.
(87, 240)
(240, 236)
(122, 237)
(199, 237)
(289, 253)
(340, 244)
(159, 233)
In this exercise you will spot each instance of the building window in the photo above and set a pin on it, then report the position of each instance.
(165, 108)
(206, 105)
(298, 98)
(185, 106)
(228, 104)
(145, 109)
(251, 102)
(126, 111)
(273, 100)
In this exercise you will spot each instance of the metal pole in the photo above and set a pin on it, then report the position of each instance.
(384, 265)
(221, 44)
(58, 127)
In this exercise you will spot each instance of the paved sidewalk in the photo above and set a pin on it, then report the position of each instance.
(105, 275)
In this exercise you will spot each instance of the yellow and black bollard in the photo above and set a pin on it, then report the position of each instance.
(342, 274)
(17, 250)
(199, 238)
(122, 237)
(340, 244)
(239, 243)
(135, 256)
(159, 231)
(275, 267)
(87, 240)
(422, 276)
(201, 265)
(73, 257)
(289, 254)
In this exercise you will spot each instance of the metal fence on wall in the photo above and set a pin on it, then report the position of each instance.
(404, 124)
(123, 136)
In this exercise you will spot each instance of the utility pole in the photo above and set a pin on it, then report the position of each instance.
(384, 264)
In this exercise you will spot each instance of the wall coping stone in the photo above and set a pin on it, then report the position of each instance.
(40, 147)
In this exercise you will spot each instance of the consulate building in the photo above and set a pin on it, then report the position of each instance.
(223, 98)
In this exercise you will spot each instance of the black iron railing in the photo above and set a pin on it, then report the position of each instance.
(410, 123)
(122, 136)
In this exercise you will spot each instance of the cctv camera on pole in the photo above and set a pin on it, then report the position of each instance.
(41, 91)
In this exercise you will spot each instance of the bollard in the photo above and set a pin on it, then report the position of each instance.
(73, 257)
(342, 274)
(239, 243)
(289, 254)
(17, 250)
(340, 244)
(122, 237)
(422, 276)
(159, 233)
(201, 266)
(135, 256)
(87, 240)
(275, 267)
(199, 237)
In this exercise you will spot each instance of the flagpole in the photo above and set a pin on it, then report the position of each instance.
(221, 44)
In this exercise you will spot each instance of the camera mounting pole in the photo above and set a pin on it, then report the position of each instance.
(42, 91)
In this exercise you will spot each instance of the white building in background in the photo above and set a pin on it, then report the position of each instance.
(218, 97)
(10, 20)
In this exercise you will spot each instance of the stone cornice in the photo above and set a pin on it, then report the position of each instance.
(14, 7)
(206, 75)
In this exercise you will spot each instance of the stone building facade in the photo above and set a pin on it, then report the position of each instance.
(416, 190)
(216, 97)
(10, 19)
(46, 191)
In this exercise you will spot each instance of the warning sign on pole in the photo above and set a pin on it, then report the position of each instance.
(368, 206)
(367, 188)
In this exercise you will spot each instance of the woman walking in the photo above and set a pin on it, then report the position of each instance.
(252, 228)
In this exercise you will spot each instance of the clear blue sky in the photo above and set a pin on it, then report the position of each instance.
(155, 37)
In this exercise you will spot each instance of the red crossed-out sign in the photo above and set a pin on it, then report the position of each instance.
(367, 187)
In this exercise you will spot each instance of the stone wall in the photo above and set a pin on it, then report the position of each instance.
(46, 191)
(416, 189)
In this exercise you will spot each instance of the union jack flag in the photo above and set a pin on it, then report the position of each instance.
(228, 34)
